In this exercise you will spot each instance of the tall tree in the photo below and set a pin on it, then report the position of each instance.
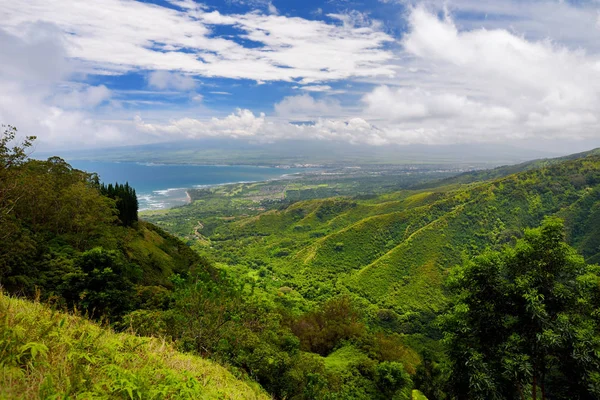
(525, 322)
(127, 202)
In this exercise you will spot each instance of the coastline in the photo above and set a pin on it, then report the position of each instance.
(163, 203)
(163, 186)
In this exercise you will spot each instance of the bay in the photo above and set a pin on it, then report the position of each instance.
(161, 186)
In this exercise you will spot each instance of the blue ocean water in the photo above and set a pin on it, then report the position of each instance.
(163, 186)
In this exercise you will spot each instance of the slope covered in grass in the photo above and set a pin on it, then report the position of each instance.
(395, 250)
(45, 354)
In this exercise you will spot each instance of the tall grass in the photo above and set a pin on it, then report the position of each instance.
(50, 355)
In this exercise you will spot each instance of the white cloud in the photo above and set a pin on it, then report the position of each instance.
(356, 19)
(103, 34)
(245, 124)
(571, 23)
(325, 89)
(164, 80)
(531, 71)
(272, 9)
(55, 126)
(315, 88)
(36, 55)
(35, 99)
(470, 85)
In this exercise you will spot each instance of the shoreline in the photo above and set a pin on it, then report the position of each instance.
(188, 199)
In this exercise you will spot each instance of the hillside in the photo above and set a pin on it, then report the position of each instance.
(354, 276)
(395, 250)
(499, 172)
(45, 354)
(70, 238)
(316, 298)
(77, 244)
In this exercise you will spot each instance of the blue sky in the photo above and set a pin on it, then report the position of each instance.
(117, 72)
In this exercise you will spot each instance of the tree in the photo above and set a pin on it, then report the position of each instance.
(320, 331)
(17, 154)
(524, 323)
(126, 198)
(390, 378)
(103, 283)
(10, 159)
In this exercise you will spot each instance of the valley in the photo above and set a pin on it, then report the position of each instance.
(347, 283)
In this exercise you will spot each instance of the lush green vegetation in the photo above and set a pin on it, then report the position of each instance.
(77, 242)
(395, 250)
(49, 355)
(525, 321)
(317, 288)
(391, 253)
(126, 200)
(69, 242)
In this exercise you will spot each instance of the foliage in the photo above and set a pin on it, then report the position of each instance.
(49, 355)
(58, 236)
(10, 159)
(315, 298)
(102, 283)
(389, 253)
(321, 331)
(126, 199)
(523, 321)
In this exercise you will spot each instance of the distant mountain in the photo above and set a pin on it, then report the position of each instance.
(221, 151)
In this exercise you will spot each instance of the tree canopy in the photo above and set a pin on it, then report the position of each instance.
(525, 322)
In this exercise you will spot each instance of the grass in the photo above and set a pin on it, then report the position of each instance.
(51, 355)
(341, 359)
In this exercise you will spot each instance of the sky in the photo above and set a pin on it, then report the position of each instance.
(103, 73)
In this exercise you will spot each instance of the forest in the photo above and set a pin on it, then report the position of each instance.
(483, 286)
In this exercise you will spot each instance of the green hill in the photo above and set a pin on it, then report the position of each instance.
(45, 354)
(64, 236)
(326, 298)
(396, 249)
(77, 244)
(499, 172)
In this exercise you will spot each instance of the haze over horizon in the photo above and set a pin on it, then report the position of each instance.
(105, 73)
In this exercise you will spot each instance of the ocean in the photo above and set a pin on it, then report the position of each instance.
(161, 186)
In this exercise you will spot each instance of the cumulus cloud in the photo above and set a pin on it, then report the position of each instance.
(35, 98)
(37, 55)
(460, 85)
(417, 105)
(245, 124)
(82, 98)
(571, 23)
